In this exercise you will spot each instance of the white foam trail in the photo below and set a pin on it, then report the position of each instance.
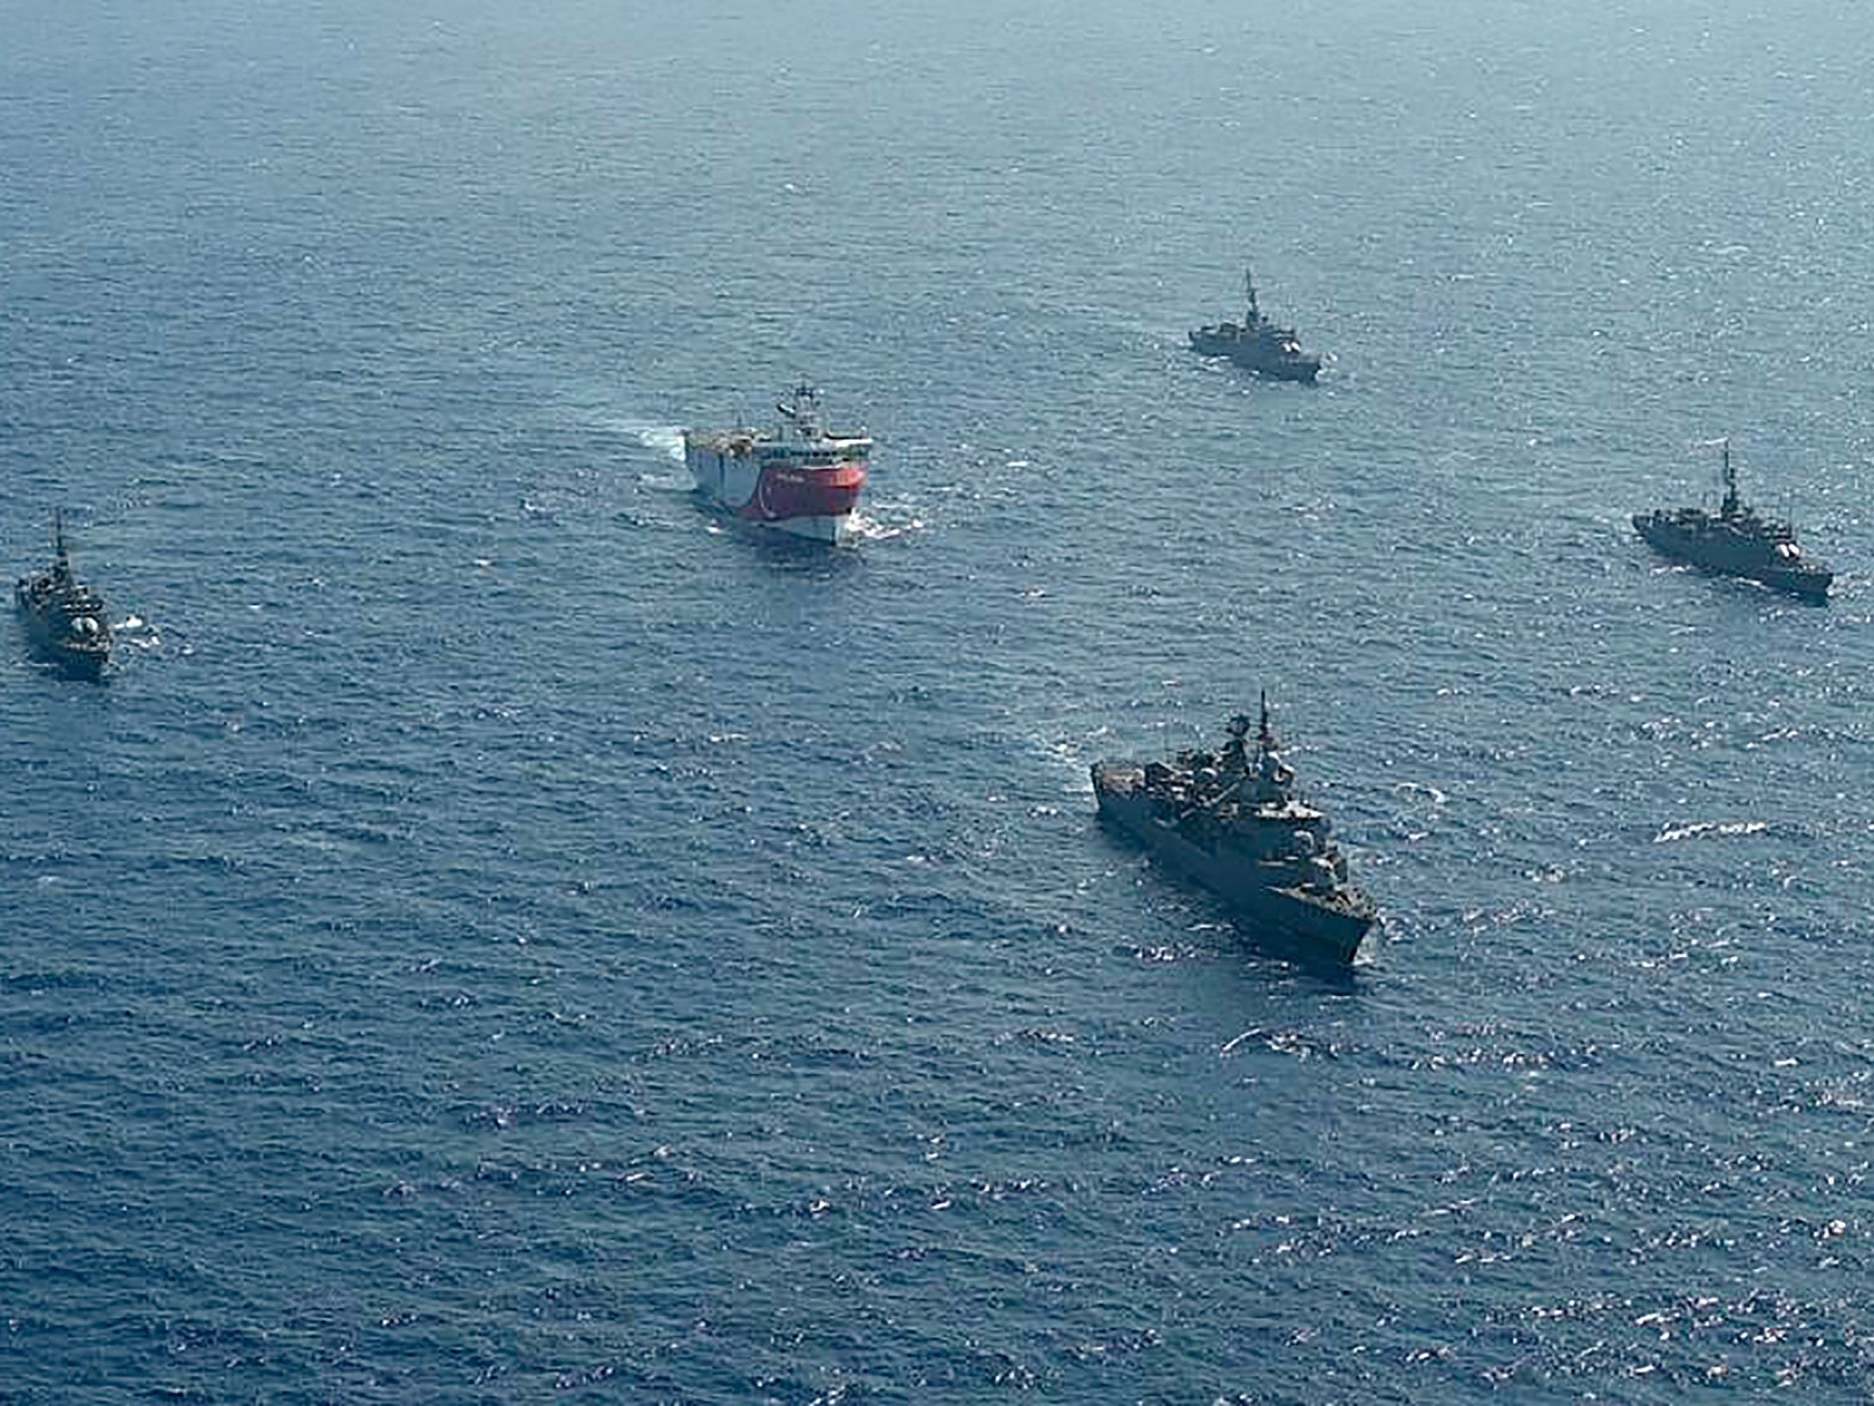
(1711, 827)
(663, 439)
(870, 529)
(879, 519)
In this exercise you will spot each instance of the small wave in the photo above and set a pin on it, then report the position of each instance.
(1710, 827)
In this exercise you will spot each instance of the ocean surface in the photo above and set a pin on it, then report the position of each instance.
(505, 935)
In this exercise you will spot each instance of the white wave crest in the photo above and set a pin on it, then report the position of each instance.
(1710, 827)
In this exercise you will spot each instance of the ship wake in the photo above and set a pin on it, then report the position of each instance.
(666, 442)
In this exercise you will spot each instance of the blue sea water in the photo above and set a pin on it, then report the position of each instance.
(502, 935)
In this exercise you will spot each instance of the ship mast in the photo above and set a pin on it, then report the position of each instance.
(1253, 316)
(62, 561)
(1273, 775)
(1730, 480)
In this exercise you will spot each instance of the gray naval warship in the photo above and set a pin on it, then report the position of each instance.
(64, 618)
(1258, 344)
(1736, 541)
(1233, 823)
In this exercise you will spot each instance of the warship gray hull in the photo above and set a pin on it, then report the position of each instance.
(1707, 545)
(1328, 927)
(1250, 353)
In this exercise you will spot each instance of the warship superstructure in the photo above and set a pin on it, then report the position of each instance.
(64, 618)
(1231, 821)
(1258, 344)
(1736, 541)
(798, 477)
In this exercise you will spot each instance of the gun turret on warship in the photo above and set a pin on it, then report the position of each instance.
(1232, 822)
(64, 618)
(1258, 344)
(1736, 541)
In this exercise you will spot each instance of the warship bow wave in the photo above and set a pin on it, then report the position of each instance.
(798, 477)
(64, 618)
(1233, 823)
(1258, 344)
(1736, 541)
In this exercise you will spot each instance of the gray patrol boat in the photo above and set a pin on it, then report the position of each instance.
(64, 618)
(1258, 344)
(1233, 823)
(1736, 541)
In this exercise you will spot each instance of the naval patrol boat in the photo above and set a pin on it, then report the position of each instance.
(1736, 541)
(1258, 344)
(64, 618)
(1232, 822)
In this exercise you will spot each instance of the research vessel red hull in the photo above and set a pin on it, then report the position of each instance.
(798, 477)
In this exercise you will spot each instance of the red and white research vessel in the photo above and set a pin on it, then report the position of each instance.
(798, 477)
